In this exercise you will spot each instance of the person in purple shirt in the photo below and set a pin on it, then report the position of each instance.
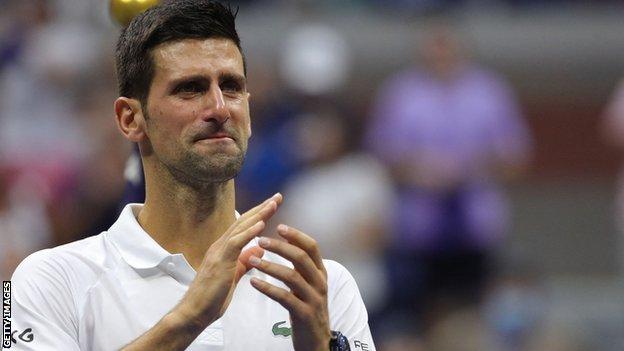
(450, 132)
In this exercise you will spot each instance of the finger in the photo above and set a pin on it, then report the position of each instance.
(263, 211)
(240, 239)
(300, 259)
(235, 244)
(299, 286)
(243, 259)
(303, 241)
(242, 227)
(278, 198)
(282, 296)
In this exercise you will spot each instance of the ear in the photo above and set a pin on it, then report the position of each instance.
(130, 120)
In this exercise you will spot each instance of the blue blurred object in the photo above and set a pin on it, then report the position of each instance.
(271, 159)
(134, 191)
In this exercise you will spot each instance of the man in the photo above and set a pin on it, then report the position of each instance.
(451, 133)
(184, 102)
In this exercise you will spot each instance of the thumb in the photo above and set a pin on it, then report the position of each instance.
(243, 265)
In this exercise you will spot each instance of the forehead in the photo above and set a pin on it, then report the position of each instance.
(197, 56)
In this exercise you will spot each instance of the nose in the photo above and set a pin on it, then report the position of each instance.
(217, 106)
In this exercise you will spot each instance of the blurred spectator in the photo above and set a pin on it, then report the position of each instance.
(24, 226)
(613, 130)
(342, 199)
(54, 92)
(450, 131)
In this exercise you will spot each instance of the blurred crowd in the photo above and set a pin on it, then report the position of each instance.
(60, 155)
(406, 188)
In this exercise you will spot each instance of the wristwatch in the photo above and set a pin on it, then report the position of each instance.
(338, 342)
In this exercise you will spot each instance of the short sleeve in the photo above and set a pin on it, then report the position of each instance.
(347, 313)
(43, 311)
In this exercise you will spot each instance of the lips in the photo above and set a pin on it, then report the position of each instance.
(209, 136)
(219, 136)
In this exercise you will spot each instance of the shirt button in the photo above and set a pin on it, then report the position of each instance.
(171, 265)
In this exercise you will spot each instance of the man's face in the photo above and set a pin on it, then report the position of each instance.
(197, 111)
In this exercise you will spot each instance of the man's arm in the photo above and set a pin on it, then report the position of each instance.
(211, 292)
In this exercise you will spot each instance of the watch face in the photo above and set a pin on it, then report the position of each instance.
(339, 342)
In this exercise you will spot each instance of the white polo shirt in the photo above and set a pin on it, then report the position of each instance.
(103, 292)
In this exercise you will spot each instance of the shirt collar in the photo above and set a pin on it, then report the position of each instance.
(136, 246)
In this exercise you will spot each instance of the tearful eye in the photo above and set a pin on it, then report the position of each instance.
(189, 88)
(231, 86)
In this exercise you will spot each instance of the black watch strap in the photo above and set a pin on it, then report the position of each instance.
(338, 342)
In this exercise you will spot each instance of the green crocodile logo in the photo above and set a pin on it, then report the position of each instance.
(283, 331)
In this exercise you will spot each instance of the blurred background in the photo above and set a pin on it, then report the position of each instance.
(460, 157)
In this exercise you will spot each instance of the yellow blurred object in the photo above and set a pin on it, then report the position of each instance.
(123, 11)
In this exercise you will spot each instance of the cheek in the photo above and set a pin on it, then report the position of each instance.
(241, 111)
(165, 126)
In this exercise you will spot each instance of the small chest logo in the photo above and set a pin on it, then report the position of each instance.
(283, 331)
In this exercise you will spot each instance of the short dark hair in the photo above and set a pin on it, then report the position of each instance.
(170, 21)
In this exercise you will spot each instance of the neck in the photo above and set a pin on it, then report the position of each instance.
(185, 219)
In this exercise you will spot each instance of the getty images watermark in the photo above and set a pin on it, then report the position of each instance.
(6, 314)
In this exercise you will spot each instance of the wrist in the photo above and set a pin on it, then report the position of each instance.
(188, 319)
(325, 341)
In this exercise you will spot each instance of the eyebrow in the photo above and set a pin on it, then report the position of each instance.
(235, 77)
